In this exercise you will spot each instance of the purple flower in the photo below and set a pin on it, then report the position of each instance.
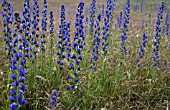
(54, 98)
(158, 34)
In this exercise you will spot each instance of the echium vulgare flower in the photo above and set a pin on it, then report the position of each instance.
(18, 71)
(77, 46)
(7, 14)
(165, 64)
(54, 98)
(61, 38)
(44, 29)
(142, 48)
(107, 24)
(141, 6)
(96, 43)
(143, 24)
(135, 8)
(25, 29)
(120, 20)
(35, 28)
(158, 35)
(167, 23)
(123, 37)
(67, 42)
(27, 19)
(51, 26)
(92, 17)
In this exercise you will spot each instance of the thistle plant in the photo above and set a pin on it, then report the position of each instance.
(157, 36)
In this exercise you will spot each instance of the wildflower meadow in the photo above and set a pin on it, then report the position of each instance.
(85, 55)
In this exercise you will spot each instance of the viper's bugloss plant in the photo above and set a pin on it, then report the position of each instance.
(123, 37)
(107, 25)
(18, 69)
(143, 24)
(54, 98)
(77, 47)
(157, 36)
(51, 26)
(119, 20)
(96, 43)
(167, 23)
(165, 64)
(61, 39)
(25, 29)
(141, 6)
(67, 41)
(142, 48)
(135, 8)
(35, 29)
(92, 17)
(7, 15)
(44, 30)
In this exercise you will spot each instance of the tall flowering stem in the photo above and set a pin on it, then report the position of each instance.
(167, 23)
(7, 15)
(95, 50)
(92, 17)
(25, 30)
(77, 46)
(51, 26)
(158, 35)
(44, 31)
(142, 48)
(35, 29)
(119, 20)
(67, 41)
(62, 37)
(96, 43)
(18, 71)
(123, 37)
(107, 25)
(106, 33)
